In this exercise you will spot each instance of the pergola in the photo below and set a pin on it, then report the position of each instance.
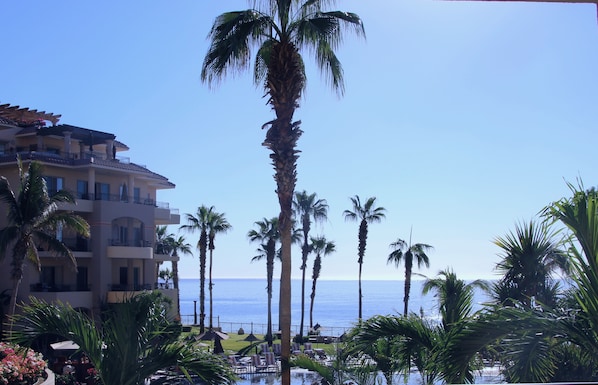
(25, 115)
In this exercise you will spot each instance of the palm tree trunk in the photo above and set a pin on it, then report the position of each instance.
(359, 316)
(285, 294)
(270, 274)
(281, 139)
(303, 268)
(175, 283)
(202, 282)
(13, 298)
(315, 275)
(210, 288)
(407, 288)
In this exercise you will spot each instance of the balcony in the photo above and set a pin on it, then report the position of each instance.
(77, 297)
(124, 249)
(118, 293)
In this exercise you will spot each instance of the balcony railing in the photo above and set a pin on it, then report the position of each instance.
(54, 288)
(129, 243)
(124, 287)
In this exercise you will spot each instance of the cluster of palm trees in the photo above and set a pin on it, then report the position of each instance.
(535, 327)
(208, 222)
(306, 207)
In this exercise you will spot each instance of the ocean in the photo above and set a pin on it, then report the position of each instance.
(242, 303)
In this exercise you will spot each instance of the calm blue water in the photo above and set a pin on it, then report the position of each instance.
(240, 302)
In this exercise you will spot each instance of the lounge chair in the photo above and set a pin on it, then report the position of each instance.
(296, 348)
(264, 348)
(307, 350)
(256, 362)
(271, 361)
(237, 366)
(276, 348)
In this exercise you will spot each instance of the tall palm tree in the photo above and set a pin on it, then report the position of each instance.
(33, 220)
(280, 29)
(403, 252)
(200, 222)
(267, 235)
(364, 214)
(131, 343)
(321, 247)
(307, 207)
(178, 246)
(217, 224)
(529, 258)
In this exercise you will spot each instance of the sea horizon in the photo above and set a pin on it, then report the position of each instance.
(242, 303)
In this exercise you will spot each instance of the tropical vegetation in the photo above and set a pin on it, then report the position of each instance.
(321, 248)
(365, 214)
(34, 220)
(307, 207)
(406, 252)
(280, 30)
(205, 221)
(132, 341)
(267, 235)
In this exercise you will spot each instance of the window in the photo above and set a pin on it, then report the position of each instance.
(48, 275)
(124, 276)
(136, 195)
(136, 278)
(82, 190)
(82, 280)
(124, 194)
(54, 184)
(102, 191)
(123, 235)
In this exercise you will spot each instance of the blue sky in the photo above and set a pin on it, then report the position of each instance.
(462, 118)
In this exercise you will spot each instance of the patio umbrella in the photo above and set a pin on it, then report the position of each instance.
(218, 346)
(64, 345)
(212, 335)
(251, 338)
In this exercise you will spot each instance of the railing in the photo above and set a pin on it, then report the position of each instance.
(42, 287)
(77, 244)
(258, 328)
(129, 243)
(123, 287)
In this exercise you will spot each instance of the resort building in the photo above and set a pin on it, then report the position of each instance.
(118, 199)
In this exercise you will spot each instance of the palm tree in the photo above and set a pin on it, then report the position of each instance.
(163, 239)
(200, 222)
(267, 234)
(406, 252)
(368, 213)
(178, 246)
(280, 29)
(132, 342)
(307, 206)
(429, 346)
(579, 214)
(217, 224)
(33, 220)
(321, 247)
(529, 258)
(455, 296)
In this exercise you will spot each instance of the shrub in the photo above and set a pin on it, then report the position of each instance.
(19, 365)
